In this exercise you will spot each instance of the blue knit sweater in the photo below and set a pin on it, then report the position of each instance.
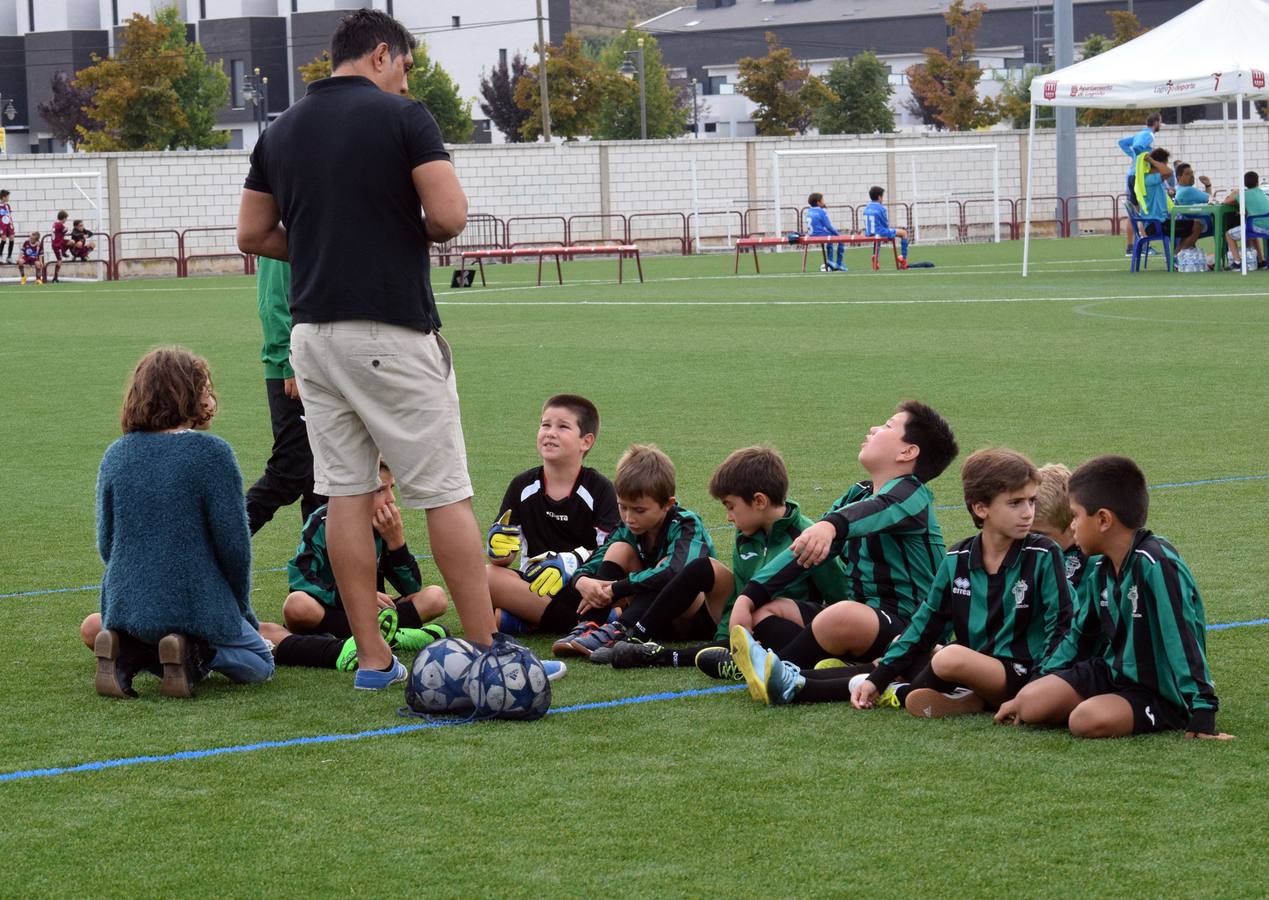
(172, 530)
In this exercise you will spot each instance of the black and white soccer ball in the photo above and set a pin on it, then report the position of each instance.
(508, 682)
(438, 678)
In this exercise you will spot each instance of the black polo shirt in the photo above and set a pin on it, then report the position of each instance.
(338, 163)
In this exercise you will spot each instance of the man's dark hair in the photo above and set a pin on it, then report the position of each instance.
(586, 412)
(1153, 119)
(1251, 180)
(750, 471)
(876, 192)
(932, 435)
(1115, 483)
(1160, 155)
(814, 199)
(360, 32)
(1180, 169)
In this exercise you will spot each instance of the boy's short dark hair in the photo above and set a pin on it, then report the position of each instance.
(814, 199)
(931, 433)
(1153, 119)
(62, 214)
(1251, 180)
(751, 471)
(644, 471)
(360, 32)
(4, 193)
(587, 413)
(1115, 483)
(1180, 169)
(78, 222)
(166, 391)
(1160, 155)
(988, 473)
(1053, 500)
(876, 192)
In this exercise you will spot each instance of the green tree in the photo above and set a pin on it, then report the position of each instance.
(575, 86)
(202, 89)
(861, 102)
(787, 94)
(1014, 101)
(619, 109)
(947, 83)
(439, 93)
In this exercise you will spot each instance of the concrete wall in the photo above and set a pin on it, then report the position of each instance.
(512, 181)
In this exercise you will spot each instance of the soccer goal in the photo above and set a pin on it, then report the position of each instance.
(36, 198)
(844, 174)
(713, 230)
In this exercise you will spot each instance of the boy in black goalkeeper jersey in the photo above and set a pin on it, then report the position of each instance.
(658, 565)
(1003, 593)
(552, 516)
(1141, 611)
(885, 530)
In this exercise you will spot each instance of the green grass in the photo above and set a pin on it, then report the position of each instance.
(704, 795)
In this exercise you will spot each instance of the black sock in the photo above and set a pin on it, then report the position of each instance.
(610, 571)
(560, 614)
(674, 600)
(407, 615)
(774, 632)
(317, 651)
(804, 650)
(685, 657)
(335, 621)
(925, 679)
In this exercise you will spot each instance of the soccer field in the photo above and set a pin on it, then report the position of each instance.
(654, 782)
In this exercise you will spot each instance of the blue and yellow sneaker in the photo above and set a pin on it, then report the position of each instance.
(375, 680)
(768, 678)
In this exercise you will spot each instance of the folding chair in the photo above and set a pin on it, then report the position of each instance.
(1141, 243)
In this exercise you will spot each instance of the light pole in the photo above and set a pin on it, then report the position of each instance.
(696, 122)
(10, 113)
(628, 71)
(256, 89)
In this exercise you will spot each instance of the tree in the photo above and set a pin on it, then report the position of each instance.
(575, 86)
(787, 94)
(499, 91)
(861, 103)
(948, 82)
(428, 83)
(1014, 101)
(619, 109)
(64, 110)
(202, 89)
(1124, 27)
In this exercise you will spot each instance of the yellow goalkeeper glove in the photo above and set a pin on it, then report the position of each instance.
(549, 572)
(503, 540)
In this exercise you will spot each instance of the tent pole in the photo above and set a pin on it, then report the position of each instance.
(1229, 163)
(1242, 187)
(1026, 231)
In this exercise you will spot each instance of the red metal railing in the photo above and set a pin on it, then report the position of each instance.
(739, 225)
(549, 241)
(677, 233)
(117, 259)
(183, 246)
(614, 223)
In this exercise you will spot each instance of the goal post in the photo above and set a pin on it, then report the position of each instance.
(37, 197)
(942, 197)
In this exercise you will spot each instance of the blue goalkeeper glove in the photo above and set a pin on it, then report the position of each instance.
(549, 572)
(503, 540)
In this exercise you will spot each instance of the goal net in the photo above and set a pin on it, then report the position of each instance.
(940, 194)
(36, 198)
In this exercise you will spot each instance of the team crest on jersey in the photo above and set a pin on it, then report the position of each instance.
(1132, 598)
(960, 586)
(1019, 669)
(1105, 597)
(1020, 595)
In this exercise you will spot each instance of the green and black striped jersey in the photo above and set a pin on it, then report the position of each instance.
(1021, 613)
(1076, 564)
(310, 570)
(890, 541)
(681, 539)
(1148, 623)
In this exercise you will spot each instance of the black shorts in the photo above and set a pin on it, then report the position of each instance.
(889, 627)
(1150, 712)
(1017, 674)
(701, 627)
(808, 610)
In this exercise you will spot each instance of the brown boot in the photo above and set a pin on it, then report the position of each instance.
(119, 657)
(179, 666)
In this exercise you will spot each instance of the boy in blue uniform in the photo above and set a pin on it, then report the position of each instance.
(877, 224)
(1134, 660)
(818, 222)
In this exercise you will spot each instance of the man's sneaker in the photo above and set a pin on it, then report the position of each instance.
(511, 625)
(889, 697)
(639, 655)
(376, 680)
(606, 636)
(769, 679)
(831, 663)
(178, 655)
(564, 646)
(927, 703)
(716, 662)
(555, 670)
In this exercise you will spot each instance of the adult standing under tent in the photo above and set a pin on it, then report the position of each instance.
(1166, 65)
(356, 156)
(1134, 145)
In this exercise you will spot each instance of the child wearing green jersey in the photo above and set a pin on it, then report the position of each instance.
(1134, 660)
(1053, 519)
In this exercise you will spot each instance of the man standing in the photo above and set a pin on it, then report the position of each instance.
(352, 162)
(1134, 145)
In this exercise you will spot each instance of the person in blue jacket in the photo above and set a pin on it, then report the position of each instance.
(818, 222)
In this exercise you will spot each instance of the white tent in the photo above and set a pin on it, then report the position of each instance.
(1207, 54)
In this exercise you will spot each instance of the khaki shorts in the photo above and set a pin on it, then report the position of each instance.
(370, 388)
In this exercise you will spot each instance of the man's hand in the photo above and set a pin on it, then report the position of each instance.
(1008, 713)
(503, 539)
(290, 388)
(1203, 736)
(741, 614)
(595, 594)
(812, 546)
(548, 572)
(863, 695)
(387, 521)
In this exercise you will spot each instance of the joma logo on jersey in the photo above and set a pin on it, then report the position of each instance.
(750, 555)
(559, 517)
(1020, 595)
(960, 586)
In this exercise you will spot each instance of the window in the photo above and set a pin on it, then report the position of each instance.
(295, 5)
(710, 127)
(456, 22)
(30, 15)
(237, 73)
(202, 9)
(114, 12)
(502, 58)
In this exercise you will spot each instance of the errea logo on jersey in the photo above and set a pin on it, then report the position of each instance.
(960, 586)
(1020, 595)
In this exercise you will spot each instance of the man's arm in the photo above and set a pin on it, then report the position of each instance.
(443, 200)
(260, 228)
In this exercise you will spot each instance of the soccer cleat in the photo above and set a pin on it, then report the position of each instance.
(831, 663)
(927, 703)
(716, 662)
(511, 625)
(890, 697)
(388, 623)
(412, 640)
(180, 668)
(24, 279)
(377, 680)
(606, 636)
(903, 262)
(564, 646)
(347, 659)
(417, 639)
(555, 670)
(601, 656)
(784, 682)
(755, 662)
(640, 655)
(876, 263)
(824, 268)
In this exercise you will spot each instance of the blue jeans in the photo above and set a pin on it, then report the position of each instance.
(246, 659)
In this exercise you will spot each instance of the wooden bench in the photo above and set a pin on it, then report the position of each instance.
(621, 250)
(807, 241)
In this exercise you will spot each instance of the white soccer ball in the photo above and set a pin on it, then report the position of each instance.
(438, 678)
(509, 685)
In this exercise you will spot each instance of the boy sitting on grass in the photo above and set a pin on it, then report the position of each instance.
(1141, 608)
(658, 565)
(1053, 519)
(553, 516)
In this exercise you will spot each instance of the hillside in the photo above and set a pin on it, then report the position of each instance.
(603, 16)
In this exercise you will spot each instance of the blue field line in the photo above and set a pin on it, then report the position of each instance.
(98, 765)
(942, 508)
(1223, 626)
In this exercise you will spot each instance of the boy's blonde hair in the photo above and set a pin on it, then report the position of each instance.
(645, 471)
(1052, 502)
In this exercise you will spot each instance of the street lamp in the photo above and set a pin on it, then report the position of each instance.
(696, 124)
(627, 70)
(256, 89)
